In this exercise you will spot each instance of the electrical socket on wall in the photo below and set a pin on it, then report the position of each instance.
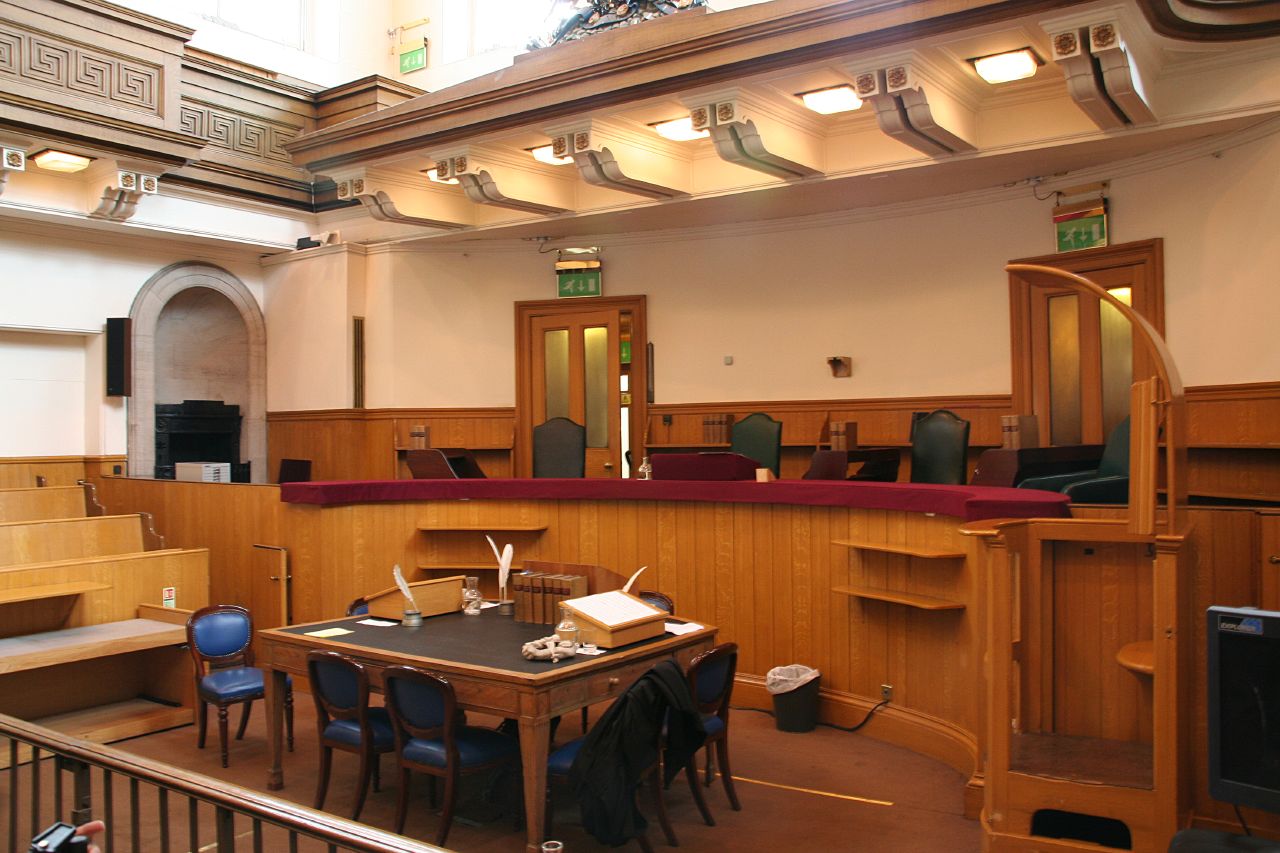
(886, 692)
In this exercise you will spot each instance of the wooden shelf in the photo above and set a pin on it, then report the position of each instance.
(1087, 760)
(1138, 657)
(908, 599)
(904, 550)
(482, 528)
(53, 590)
(34, 651)
(458, 565)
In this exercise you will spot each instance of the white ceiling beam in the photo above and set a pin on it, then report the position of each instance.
(748, 131)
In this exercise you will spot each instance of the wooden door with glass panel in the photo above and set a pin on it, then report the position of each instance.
(574, 361)
(1073, 355)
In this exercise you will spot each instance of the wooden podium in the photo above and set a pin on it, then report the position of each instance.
(612, 619)
(433, 597)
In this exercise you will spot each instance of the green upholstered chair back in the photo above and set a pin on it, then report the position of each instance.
(939, 449)
(758, 437)
(559, 449)
(1115, 455)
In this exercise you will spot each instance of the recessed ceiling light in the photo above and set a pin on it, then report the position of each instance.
(433, 175)
(679, 129)
(61, 161)
(1010, 65)
(545, 154)
(833, 99)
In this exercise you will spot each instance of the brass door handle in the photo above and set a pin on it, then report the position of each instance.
(1274, 559)
(608, 466)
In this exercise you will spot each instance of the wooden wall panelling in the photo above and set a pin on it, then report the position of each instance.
(21, 472)
(1235, 473)
(1269, 560)
(64, 539)
(31, 504)
(1245, 415)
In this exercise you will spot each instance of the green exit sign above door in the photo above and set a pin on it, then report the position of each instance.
(578, 283)
(413, 60)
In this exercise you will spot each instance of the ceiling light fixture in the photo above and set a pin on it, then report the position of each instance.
(61, 161)
(545, 154)
(1010, 65)
(678, 129)
(833, 99)
(433, 175)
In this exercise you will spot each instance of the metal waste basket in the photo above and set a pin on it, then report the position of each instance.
(795, 696)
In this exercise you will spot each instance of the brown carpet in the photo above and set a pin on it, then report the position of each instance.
(919, 800)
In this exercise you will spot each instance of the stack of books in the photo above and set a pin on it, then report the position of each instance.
(716, 429)
(1019, 431)
(538, 595)
(844, 435)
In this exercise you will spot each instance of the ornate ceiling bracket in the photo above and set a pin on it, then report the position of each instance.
(737, 126)
(598, 164)
(116, 187)
(1102, 74)
(915, 108)
(12, 159)
(359, 186)
(481, 188)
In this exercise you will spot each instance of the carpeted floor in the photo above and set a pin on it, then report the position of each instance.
(824, 790)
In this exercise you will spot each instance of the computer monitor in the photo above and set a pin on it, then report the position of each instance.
(1244, 706)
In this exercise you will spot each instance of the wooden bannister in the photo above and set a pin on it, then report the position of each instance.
(269, 823)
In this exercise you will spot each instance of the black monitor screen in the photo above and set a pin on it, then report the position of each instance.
(1244, 706)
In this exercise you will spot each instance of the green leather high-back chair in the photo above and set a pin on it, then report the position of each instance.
(758, 437)
(1106, 484)
(939, 449)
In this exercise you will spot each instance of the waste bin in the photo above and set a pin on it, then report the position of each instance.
(795, 696)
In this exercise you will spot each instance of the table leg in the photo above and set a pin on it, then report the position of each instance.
(534, 737)
(273, 698)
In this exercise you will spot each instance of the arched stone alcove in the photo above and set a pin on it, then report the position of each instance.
(198, 333)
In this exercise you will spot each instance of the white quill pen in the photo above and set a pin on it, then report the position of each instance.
(404, 587)
(504, 563)
(627, 586)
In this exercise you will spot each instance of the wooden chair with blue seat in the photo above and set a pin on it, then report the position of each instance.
(431, 738)
(940, 448)
(1106, 484)
(345, 721)
(559, 449)
(219, 637)
(711, 683)
(758, 437)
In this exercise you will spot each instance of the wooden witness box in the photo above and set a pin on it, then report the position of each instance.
(433, 597)
(597, 619)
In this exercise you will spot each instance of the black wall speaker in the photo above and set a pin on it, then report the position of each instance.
(119, 356)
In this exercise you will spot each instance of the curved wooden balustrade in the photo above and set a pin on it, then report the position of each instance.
(271, 823)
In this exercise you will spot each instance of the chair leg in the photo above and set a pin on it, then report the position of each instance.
(691, 773)
(288, 717)
(402, 800)
(584, 720)
(322, 781)
(707, 775)
(202, 722)
(726, 776)
(645, 846)
(377, 772)
(446, 817)
(432, 799)
(244, 720)
(222, 732)
(654, 783)
(367, 763)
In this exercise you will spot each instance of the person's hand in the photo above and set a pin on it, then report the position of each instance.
(89, 830)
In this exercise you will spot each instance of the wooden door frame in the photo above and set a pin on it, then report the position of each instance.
(1148, 300)
(522, 461)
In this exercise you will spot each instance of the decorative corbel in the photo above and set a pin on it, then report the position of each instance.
(116, 187)
(481, 188)
(1101, 71)
(599, 166)
(360, 186)
(11, 160)
(916, 109)
(1120, 76)
(736, 125)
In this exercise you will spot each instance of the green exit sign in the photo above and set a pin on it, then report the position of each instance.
(578, 283)
(413, 60)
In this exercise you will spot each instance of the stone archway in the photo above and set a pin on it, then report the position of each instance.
(151, 300)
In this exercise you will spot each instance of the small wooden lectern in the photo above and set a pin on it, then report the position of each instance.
(433, 597)
(612, 619)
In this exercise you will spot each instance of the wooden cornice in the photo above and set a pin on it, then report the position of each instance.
(663, 57)
(1197, 20)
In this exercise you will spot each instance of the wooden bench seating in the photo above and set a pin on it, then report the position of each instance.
(45, 540)
(41, 503)
(72, 645)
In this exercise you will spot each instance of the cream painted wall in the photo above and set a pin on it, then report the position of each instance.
(917, 296)
(308, 309)
(42, 381)
(68, 279)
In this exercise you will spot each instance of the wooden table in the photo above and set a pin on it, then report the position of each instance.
(480, 655)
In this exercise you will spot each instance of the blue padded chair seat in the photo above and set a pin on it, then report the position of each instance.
(475, 746)
(348, 731)
(232, 685)
(561, 760)
(713, 724)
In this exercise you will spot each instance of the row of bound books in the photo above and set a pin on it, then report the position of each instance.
(716, 429)
(844, 435)
(538, 595)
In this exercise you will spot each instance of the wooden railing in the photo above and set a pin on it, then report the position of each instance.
(146, 804)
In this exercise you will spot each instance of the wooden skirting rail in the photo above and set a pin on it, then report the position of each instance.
(53, 782)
